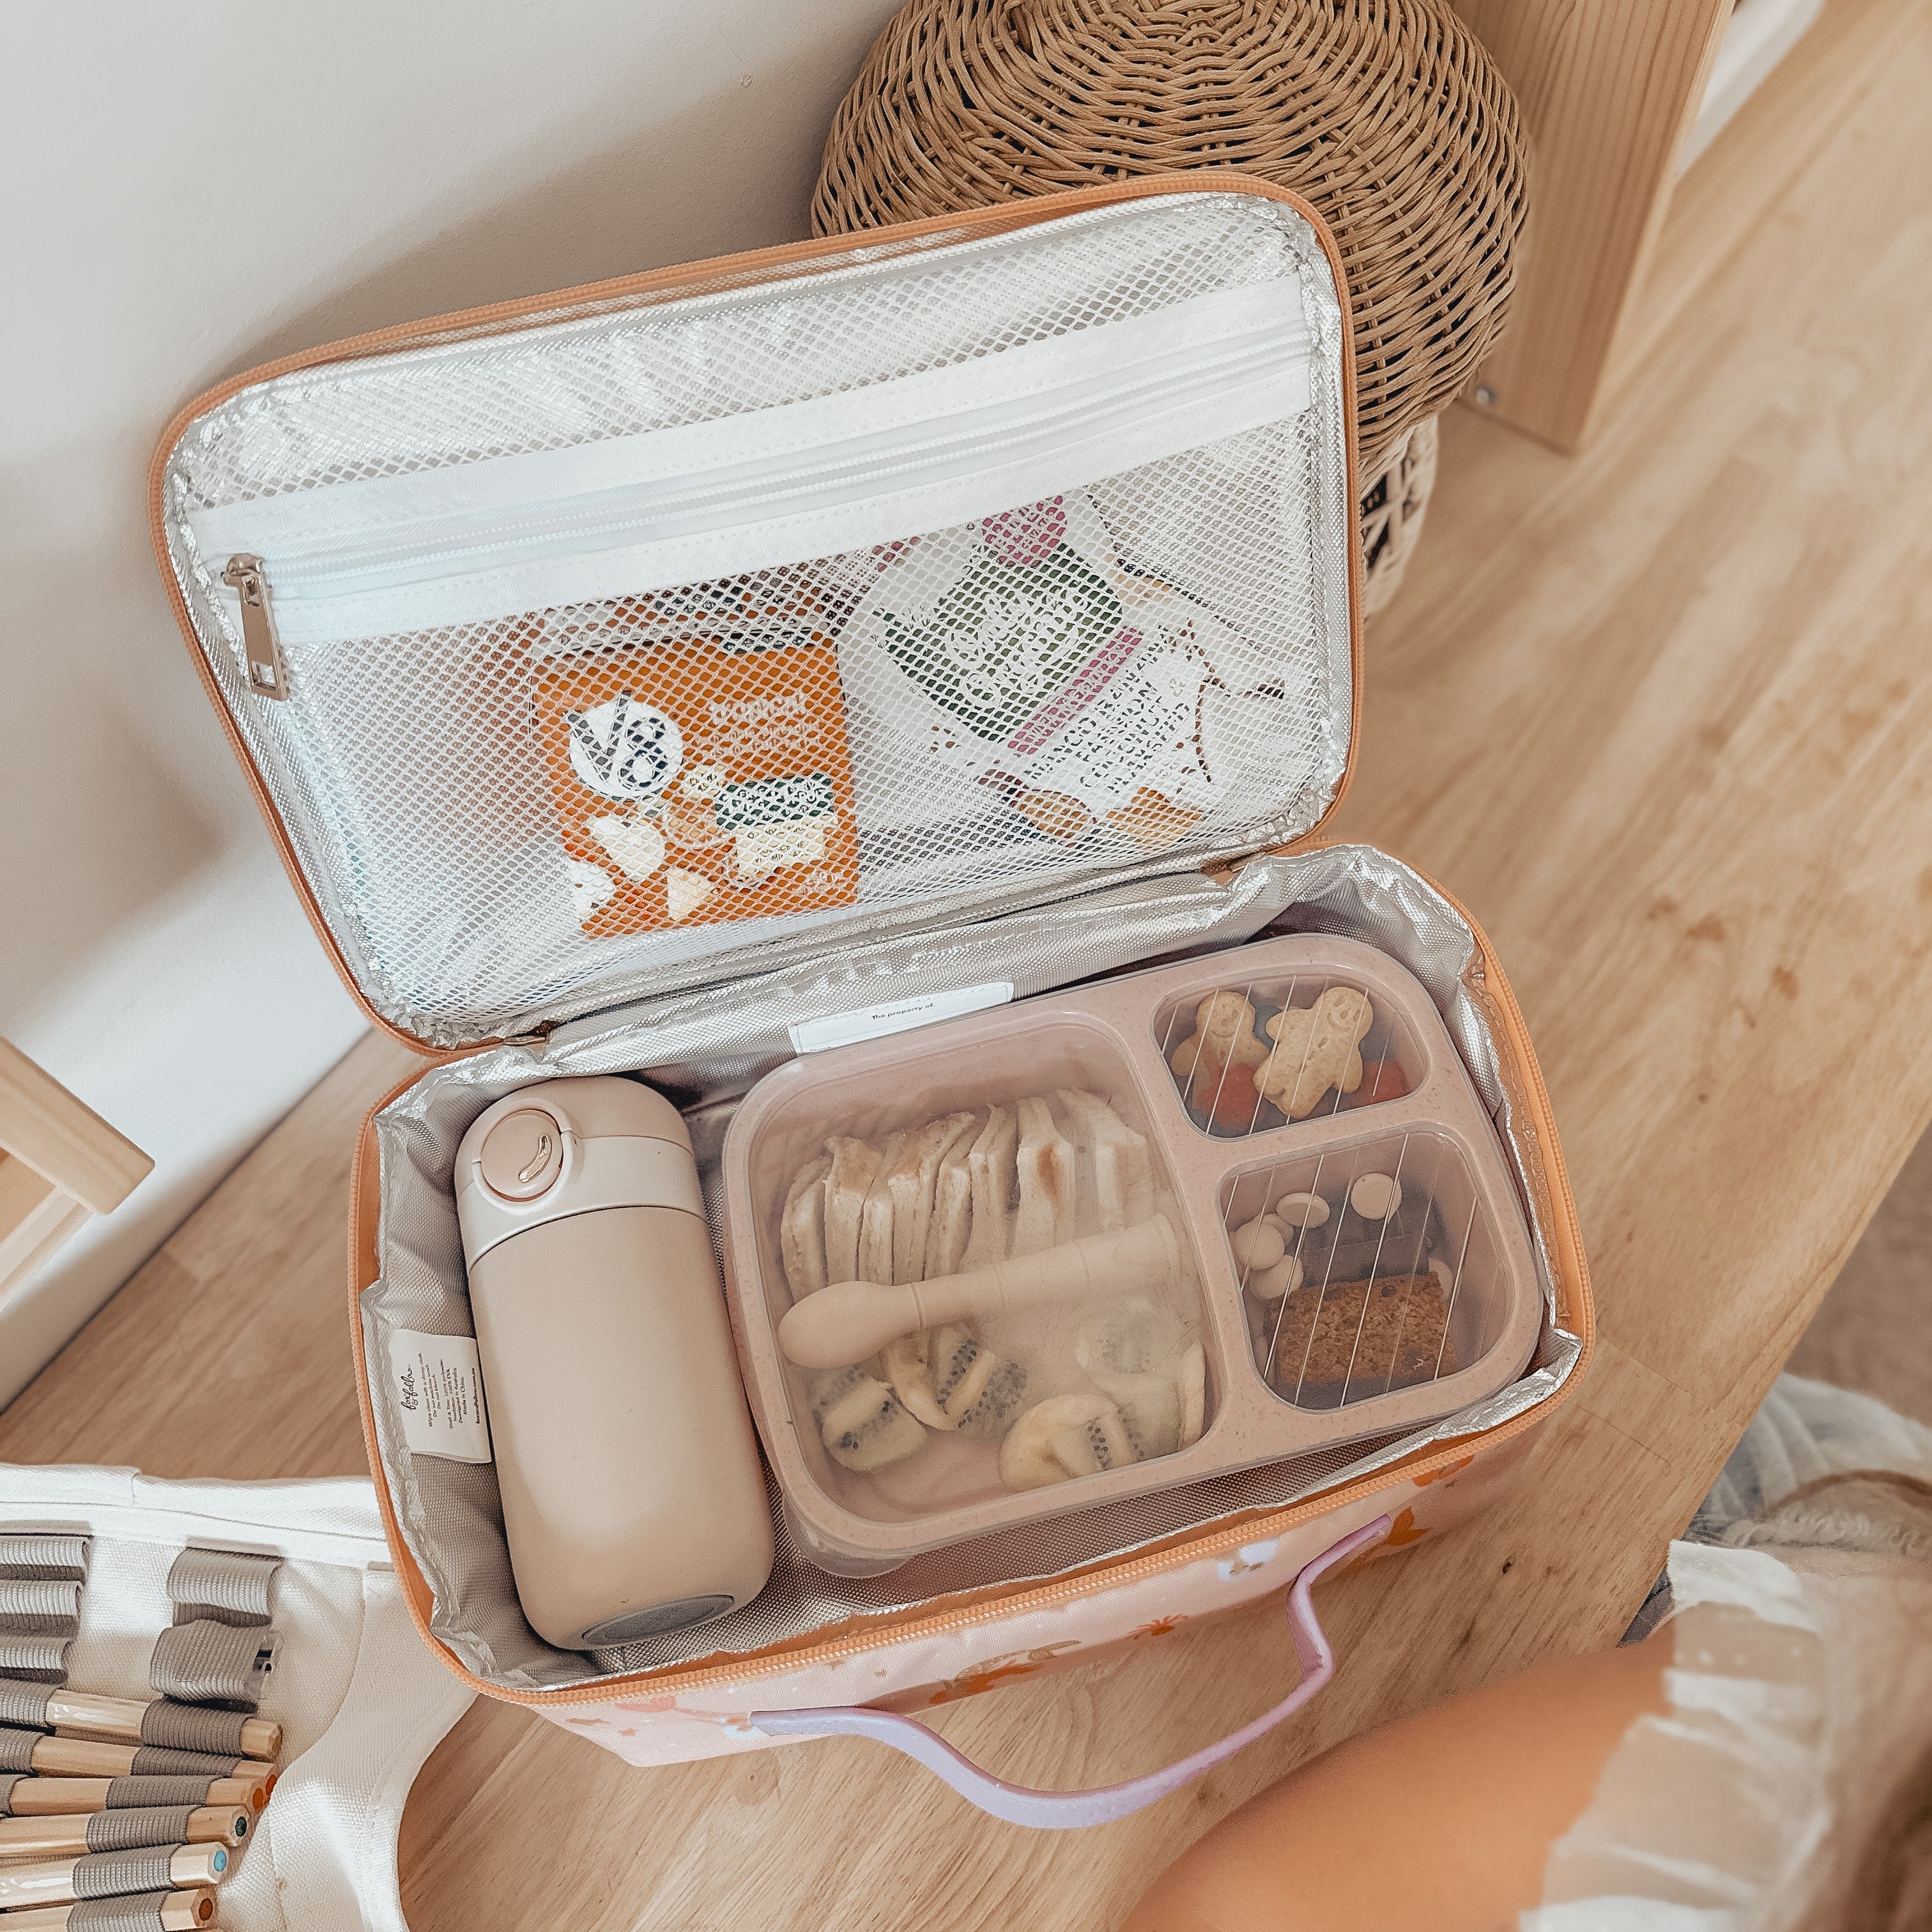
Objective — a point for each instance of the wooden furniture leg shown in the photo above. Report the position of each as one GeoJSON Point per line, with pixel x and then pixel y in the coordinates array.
{"type": "Point", "coordinates": [1609, 89]}
{"type": "Point", "coordinates": [60, 1162]}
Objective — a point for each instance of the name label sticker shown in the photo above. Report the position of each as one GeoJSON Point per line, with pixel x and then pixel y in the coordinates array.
{"type": "Point", "coordinates": [897, 1016]}
{"type": "Point", "coordinates": [438, 1385]}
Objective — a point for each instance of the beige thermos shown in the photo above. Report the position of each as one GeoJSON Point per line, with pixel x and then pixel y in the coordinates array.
{"type": "Point", "coordinates": [633, 1499]}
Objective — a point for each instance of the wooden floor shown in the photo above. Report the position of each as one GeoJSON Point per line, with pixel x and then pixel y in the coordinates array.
{"type": "Point", "coordinates": [1663, 715]}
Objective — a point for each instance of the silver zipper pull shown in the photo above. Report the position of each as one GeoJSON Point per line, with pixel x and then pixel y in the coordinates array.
{"type": "Point", "coordinates": [268, 671]}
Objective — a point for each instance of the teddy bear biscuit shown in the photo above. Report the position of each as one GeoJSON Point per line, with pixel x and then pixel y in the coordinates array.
{"type": "Point", "coordinates": [1224, 1030]}
{"type": "Point", "coordinates": [1315, 1049]}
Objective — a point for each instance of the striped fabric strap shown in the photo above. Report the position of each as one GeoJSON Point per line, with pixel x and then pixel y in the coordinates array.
{"type": "Point", "coordinates": [30, 1553]}
{"type": "Point", "coordinates": [7, 1784]}
{"type": "Point", "coordinates": [17, 1749]}
{"type": "Point", "coordinates": [126, 1831]}
{"type": "Point", "coordinates": [45, 1599]}
{"type": "Point", "coordinates": [190, 1727]}
{"type": "Point", "coordinates": [43, 1659]}
{"type": "Point", "coordinates": [102, 1874]}
{"type": "Point", "coordinates": [140, 1912]}
{"type": "Point", "coordinates": [150, 1761]}
{"type": "Point", "coordinates": [226, 1586]}
{"type": "Point", "coordinates": [40, 1603]}
{"type": "Point", "coordinates": [24, 1704]}
{"type": "Point", "coordinates": [211, 1662]}
{"type": "Point", "coordinates": [140, 1794]}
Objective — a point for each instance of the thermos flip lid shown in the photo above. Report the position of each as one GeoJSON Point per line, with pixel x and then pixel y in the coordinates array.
{"type": "Point", "coordinates": [571, 1148]}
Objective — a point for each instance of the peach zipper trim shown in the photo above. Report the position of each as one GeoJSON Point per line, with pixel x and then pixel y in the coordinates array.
{"type": "Point", "coordinates": [665, 283]}
{"type": "Point", "coordinates": [673, 1679]}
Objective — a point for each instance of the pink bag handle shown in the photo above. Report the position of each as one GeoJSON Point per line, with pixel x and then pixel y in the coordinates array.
{"type": "Point", "coordinates": [1061, 1811]}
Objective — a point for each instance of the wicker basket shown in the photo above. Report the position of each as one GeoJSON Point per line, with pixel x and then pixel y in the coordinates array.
{"type": "Point", "coordinates": [1392, 512]}
{"type": "Point", "coordinates": [1386, 114]}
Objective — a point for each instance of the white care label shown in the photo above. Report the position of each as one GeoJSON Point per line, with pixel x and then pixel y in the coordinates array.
{"type": "Point", "coordinates": [897, 1016]}
{"type": "Point", "coordinates": [439, 1388]}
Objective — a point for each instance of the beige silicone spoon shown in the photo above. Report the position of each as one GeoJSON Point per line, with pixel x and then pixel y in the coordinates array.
{"type": "Point", "coordinates": [853, 1319]}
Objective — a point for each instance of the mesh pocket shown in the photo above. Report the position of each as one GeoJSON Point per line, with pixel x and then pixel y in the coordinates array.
{"type": "Point", "coordinates": [525, 815]}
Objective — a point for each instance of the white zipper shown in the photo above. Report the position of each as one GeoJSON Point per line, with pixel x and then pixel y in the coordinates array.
{"type": "Point", "coordinates": [475, 541]}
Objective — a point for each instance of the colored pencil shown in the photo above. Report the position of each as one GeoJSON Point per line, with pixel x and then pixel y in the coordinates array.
{"type": "Point", "coordinates": [52, 1837]}
{"type": "Point", "coordinates": [53, 1881]}
{"type": "Point", "coordinates": [63, 1797]}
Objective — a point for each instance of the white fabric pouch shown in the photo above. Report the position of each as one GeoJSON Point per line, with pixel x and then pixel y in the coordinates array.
{"type": "Point", "coordinates": [361, 1704]}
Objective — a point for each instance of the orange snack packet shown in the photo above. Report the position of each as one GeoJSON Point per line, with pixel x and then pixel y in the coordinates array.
{"type": "Point", "coordinates": [701, 781]}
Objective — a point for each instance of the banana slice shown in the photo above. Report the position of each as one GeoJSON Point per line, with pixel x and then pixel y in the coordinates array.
{"type": "Point", "coordinates": [1045, 1165]}
{"type": "Point", "coordinates": [1190, 1377]}
{"type": "Point", "coordinates": [1000, 1405]}
{"type": "Point", "coordinates": [910, 1181]}
{"type": "Point", "coordinates": [867, 1426]}
{"type": "Point", "coordinates": [875, 1217]}
{"type": "Point", "coordinates": [1100, 1442]}
{"type": "Point", "coordinates": [952, 1219]}
{"type": "Point", "coordinates": [1116, 1157]}
{"type": "Point", "coordinates": [907, 1364]}
{"type": "Point", "coordinates": [802, 1228]}
{"type": "Point", "coordinates": [991, 1164]}
{"type": "Point", "coordinates": [1149, 1407]}
{"type": "Point", "coordinates": [1027, 1459]}
{"type": "Point", "coordinates": [854, 1164]}
{"type": "Point", "coordinates": [1128, 1338]}
{"type": "Point", "coordinates": [961, 1369]}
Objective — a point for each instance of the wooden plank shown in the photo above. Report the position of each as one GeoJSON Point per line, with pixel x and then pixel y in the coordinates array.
{"type": "Point", "coordinates": [245, 1306]}
{"type": "Point", "coordinates": [64, 1138]}
{"type": "Point", "coordinates": [1609, 89]}
{"type": "Point", "coordinates": [1658, 713]}
{"type": "Point", "coordinates": [1736, 185]}
{"type": "Point", "coordinates": [35, 1218]}
{"type": "Point", "coordinates": [24, 1191]}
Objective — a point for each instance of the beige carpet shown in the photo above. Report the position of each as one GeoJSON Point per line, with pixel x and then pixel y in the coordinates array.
{"type": "Point", "coordinates": [1873, 1330]}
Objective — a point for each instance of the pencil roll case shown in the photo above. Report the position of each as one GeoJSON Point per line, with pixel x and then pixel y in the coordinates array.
{"type": "Point", "coordinates": [711, 676]}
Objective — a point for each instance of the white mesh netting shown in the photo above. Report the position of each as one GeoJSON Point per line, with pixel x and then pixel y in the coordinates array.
{"type": "Point", "coordinates": [553, 808]}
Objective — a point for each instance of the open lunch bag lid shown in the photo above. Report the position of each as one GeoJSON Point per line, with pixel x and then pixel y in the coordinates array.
{"type": "Point", "coordinates": [897, 584]}
{"type": "Point", "coordinates": [635, 676]}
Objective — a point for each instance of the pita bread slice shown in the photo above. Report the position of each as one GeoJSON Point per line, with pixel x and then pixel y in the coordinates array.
{"type": "Point", "coordinates": [854, 1165]}
{"type": "Point", "coordinates": [802, 1228]}
{"type": "Point", "coordinates": [910, 1181]}
{"type": "Point", "coordinates": [990, 1164]}
{"type": "Point", "coordinates": [1044, 1163]}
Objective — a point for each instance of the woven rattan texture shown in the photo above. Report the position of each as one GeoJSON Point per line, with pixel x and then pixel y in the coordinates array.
{"type": "Point", "coordinates": [1386, 115]}
{"type": "Point", "coordinates": [1392, 509]}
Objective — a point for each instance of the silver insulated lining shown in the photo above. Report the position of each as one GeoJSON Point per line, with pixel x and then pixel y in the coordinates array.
{"type": "Point", "coordinates": [705, 1047]}
{"type": "Point", "coordinates": [1062, 514]}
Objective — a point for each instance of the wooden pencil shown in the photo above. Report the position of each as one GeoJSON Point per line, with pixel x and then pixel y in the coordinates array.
{"type": "Point", "coordinates": [104, 1831]}
{"type": "Point", "coordinates": [173, 1911]}
{"type": "Point", "coordinates": [148, 1720]}
{"type": "Point", "coordinates": [57, 1756]}
{"type": "Point", "coordinates": [60, 1881]}
{"type": "Point", "coordinates": [63, 1797]}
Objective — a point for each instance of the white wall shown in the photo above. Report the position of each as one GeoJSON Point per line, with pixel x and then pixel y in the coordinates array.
{"type": "Point", "coordinates": [191, 190]}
